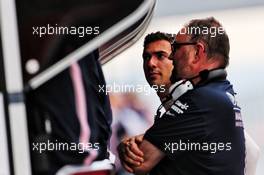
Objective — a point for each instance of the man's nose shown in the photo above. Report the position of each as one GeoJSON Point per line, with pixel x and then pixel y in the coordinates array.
{"type": "Point", "coordinates": [152, 61]}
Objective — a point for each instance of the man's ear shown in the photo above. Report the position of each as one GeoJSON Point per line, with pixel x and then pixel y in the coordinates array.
{"type": "Point", "coordinates": [200, 52]}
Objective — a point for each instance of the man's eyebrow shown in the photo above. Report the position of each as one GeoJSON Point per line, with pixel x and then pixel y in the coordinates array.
{"type": "Point", "coordinates": [160, 52]}
{"type": "Point", "coordinates": [156, 52]}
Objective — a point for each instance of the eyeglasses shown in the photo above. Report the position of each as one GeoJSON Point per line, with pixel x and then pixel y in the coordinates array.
{"type": "Point", "coordinates": [175, 45]}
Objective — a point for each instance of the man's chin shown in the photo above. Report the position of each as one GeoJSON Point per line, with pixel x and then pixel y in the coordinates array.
{"type": "Point", "coordinates": [155, 84]}
{"type": "Point", "coordinates": [152, 84]}
{"type": "Point", "coordinates": [151, 81]}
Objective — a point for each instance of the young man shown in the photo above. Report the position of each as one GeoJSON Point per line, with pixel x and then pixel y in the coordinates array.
{"type": "Point", "coordinates": [194, 125]}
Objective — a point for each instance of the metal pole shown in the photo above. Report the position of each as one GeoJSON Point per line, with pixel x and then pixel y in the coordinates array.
{"type": "Point", "coordinates": [14, 85]}
{"type": "Point", "coordinates": [4, 159]}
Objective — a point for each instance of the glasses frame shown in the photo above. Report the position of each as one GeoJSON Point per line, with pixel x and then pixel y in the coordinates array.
{"type": "Point", "coordinates": [176, 44]}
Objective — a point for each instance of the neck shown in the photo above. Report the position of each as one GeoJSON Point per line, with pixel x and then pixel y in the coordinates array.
{"type": "Point", "coordinates": [162, 93]}
{"type": "Point", "coordinates": [210, 74]}
{"type": "Point", "coordinates": [210, 66]}
{"type": "Point", "coordinates": [196, 80]}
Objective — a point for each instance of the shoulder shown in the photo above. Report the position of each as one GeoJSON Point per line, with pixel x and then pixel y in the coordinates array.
{"type": "Point", "coordinates": [215, 94]}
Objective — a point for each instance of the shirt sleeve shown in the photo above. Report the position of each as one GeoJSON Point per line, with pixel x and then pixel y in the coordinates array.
{"type": "Point", "coordinates": [183, 123]}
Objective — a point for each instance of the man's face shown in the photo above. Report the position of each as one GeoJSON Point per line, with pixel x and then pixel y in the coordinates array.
{"type": "Point", "coordinates": [183, 59]}
{"type": "Point", "coordinates": [157, 66]}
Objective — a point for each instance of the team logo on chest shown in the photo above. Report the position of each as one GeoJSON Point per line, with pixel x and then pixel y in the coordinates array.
{"type": "Point", "coordinates": [178, 108]}
{"type": "Point", "coordinates": [171, 103]}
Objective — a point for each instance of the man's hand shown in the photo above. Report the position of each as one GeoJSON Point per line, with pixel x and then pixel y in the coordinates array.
{"type": "Point", "coordinates": [129, 153]}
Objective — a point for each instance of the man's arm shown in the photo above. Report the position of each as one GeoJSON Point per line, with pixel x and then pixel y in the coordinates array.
{"type": "Point", "coordinates": [152, 156]}
{"type": "Point", "coordinates": [129, 153]}
{"type": "Point", "coordinates": [137, 155]}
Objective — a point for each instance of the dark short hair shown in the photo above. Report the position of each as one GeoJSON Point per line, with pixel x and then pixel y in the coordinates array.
{"type": "Point", "coordinates": [215, 46]}
{"type": "Point", "coordinates": [152, 37]}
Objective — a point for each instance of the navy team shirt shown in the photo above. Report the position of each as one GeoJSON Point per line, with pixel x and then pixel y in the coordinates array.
{"type": "Point", "coordinates": [202, 133]}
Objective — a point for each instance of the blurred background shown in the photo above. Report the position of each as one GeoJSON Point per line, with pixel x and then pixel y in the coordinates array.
{"type": "Point", "coordinates": [243, 21]}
